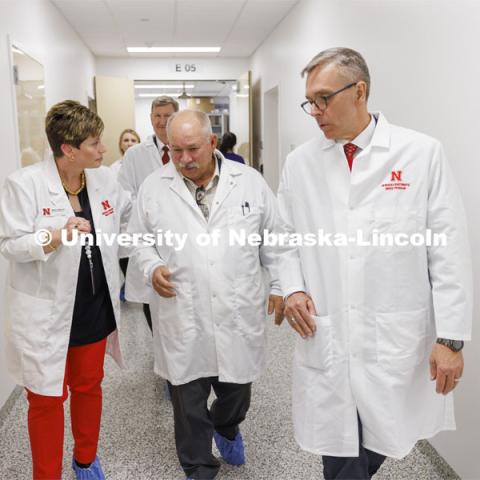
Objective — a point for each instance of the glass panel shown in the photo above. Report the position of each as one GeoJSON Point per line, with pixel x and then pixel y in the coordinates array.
{"type": "Point", "coordinates": [30, 95]}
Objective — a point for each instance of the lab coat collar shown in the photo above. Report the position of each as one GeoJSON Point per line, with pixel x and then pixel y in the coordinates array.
{"type": "Point", "coordinates": [54, 181]}
{"type": "Point", "coordinates": [229, 170]}
{"type": "Point", "coordinates": [58, 195]}
{"type": "Point", "coordinates": [381, 136]}
{"type": "Point", "coordinates": [148, 142]}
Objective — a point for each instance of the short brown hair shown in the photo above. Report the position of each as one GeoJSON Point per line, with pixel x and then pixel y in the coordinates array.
{"type": "Point", "coordinates": [164, 100]}
{"type": "Point", "coordinates": [71, 123]}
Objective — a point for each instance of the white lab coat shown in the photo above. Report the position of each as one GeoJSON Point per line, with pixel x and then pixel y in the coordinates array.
{"type": "Point", "coordinates": [116, 166]}
{"type": "Point", "coordinates": [138, 163]}
{"type": "Point", "coordinates": [215, 326]}
{"type": "Point", "coordinates": [41, 287]}
{"type": "Point", "coordinates": [379, 309]}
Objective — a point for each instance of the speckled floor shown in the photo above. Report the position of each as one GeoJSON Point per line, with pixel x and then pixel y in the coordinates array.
{"type": "Point", "coordinates": [137, 427]}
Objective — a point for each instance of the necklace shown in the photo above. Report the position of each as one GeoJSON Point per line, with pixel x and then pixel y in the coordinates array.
{"type": "Point", "coordinates": [75, 192]}
{"type": "Point", "coordinates": [88, 253]}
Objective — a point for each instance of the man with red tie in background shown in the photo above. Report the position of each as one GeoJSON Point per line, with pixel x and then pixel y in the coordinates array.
{"type": "Point", "coordinates": [381, 326]}
{"type": "Point", "coordinates": [139, 162]}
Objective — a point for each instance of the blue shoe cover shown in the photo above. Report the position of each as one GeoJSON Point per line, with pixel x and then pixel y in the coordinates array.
{"type": "Point", "coordinates": [232, 451]}
{"type": "Point", "coordinates": [93, 472]}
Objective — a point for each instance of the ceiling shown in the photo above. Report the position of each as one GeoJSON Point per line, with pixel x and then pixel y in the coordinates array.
{"type": "Point", "coordinates": [237, 26]}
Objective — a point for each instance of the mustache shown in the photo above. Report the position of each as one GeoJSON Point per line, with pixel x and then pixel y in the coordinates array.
{"type": "Point", "coordinates": [189, 166]}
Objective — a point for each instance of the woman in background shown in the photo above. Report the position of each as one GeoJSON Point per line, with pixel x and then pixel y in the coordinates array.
{"type": "Point", "coordinates": [229, 140]}
{"type": "Point", "coordinates": [128, 138]}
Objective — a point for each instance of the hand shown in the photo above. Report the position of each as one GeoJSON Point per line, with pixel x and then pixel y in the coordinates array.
{"type": "Point", "coordinates": [73, 223]}
{"type": "Point", "coordinates": [76, 223]}
{"type": "Point", "coordinates": [275, 304]}
{"type": "Point", "coordinates": [161, 284]}
{"type": "Point", "coordinates": [299, 309]}
{"type": "Point", "coordinates": [446, 367]}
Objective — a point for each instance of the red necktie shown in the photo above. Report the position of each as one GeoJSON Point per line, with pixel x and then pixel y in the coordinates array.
{"type": "Point", "coordinates": [350, 149]}
{"type": "Point", "coordinates": [165, 156]}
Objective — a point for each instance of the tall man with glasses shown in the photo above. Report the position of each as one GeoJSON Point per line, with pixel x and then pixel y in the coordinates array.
{"type": "Point", "coordinates": [381, 327]}
{"type": "Point", "coordinates": [209, 314]}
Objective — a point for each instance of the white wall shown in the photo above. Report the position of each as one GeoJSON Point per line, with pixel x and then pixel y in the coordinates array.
{"type": "Point", "coordinates": [38, 28]}
{"type": "Point", "coordinates": [423, 60]}
{"type": "Point", "coordinates": [164, 68]}
{"type": "Point", "coordinates": [239, 119]}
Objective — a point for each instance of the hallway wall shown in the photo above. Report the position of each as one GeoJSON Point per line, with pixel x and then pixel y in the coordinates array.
{"type": "Point", "coordinates": [422, 58]}
{"type": "Point", "coordinates": [38, 28]}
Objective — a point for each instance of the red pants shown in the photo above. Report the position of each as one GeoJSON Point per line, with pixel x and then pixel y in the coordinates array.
{"type": "Point", "coordinates": [83, 375]}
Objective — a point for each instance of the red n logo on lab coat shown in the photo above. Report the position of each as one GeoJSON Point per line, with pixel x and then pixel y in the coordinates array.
{"type": "Point", "coordinates": [396, 176]}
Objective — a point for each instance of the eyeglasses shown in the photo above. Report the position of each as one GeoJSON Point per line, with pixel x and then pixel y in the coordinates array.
{"type": "Point", "coordinates": [321, 101]}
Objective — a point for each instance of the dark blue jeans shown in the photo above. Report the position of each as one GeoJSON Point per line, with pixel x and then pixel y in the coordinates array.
{"type": "Point", "coordinates": [362, 467]}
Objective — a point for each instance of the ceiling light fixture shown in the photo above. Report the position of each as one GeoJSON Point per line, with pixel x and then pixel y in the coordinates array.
{"type": "Point", "coordinates": [184, 95]}
{"type": "Point", "coordinates": [172, 86]}
{"type": "Point", "coordinates": [154, 95]}
{"type": "Point", "coordinates": [173, 49]}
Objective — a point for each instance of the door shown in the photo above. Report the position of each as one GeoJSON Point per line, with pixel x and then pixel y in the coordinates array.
{"type": "Point", "coordinates": [271, 149]}
{"type": "Point", "coordinates": [115, 101]}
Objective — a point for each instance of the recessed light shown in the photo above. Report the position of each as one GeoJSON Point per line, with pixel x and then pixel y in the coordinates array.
{"type": "Point", "coordinates": [166, 86]}
{"type": "Point", "coordinates": [154, 95]}
{"type": "Point", "coordinates": [173, 49]}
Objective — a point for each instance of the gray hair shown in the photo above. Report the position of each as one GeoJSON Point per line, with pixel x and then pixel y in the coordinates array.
{"type": "Point", "coordinates": [202, 118]}
{"type": "Point", "coordinates": [164, 100]}
{"type": "Point", "coordinates": [351, 63]}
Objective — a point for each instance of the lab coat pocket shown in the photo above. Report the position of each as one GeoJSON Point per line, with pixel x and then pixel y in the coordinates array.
{"type": "Point", "coordinates": [175, 314]}
{"type": "Point", "coordinates": [401, 338]}
{"type": "Point", "coordinates": [394, 229]}
{"type": "Point", "coordinates": [317, 351]}
{"type": "Point", "coordinates": [246, 217]}
{"type": "Point", "coordinates": [28, 319]}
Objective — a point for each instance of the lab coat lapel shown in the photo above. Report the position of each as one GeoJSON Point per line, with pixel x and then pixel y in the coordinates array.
{"type": "Point", "coordinates": [94, 197]}
{"type": "Point", "coordinates": [150, 144]}
{"type": "Point", "coordinates": [58, 197]}
{"type": "Point", "coordinates": [336, 171]}
{"type": "Point", "coordinates": [372, 164]}
{"type": "Point", "coordinates": [178, 186]}
{"type": "Point", "coordinates": [226, 184]}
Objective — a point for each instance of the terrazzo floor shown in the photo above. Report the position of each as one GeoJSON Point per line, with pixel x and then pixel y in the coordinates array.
{"type": "Point", "coordinates": [137, 427]}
